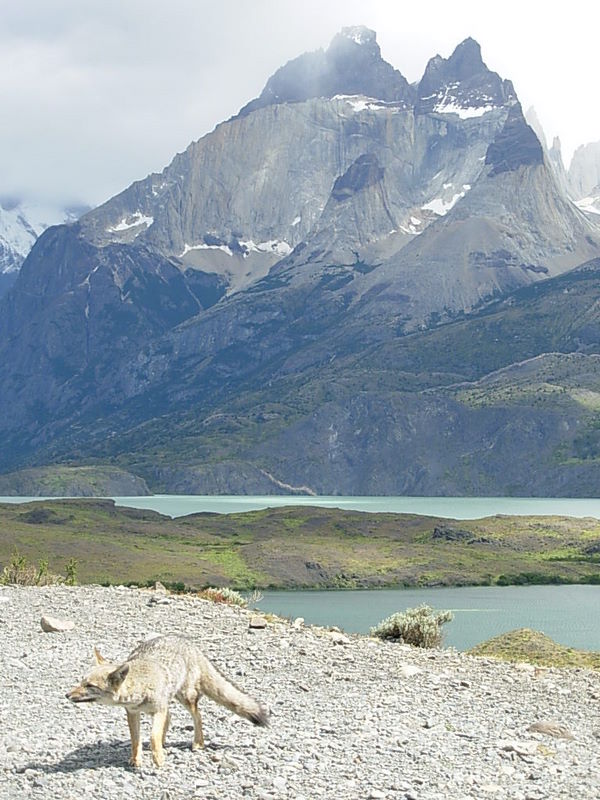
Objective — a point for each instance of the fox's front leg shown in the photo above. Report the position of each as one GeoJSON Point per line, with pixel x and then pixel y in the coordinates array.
{"type": "Point", "coordinates": [159, 724]}
{"type": "Point", "coordinates": [133, 720]}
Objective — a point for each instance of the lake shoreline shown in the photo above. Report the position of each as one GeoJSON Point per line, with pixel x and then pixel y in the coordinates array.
{"type": "Point", "coordinates": [465, 507]}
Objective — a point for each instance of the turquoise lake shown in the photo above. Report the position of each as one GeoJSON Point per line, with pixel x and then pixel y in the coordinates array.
{"type": "Point", "coordinates": [453, 507]}
{"type": "Point", "coordinates": [568, 614]}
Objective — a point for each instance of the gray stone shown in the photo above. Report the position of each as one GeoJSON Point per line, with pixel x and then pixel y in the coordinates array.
{"type": "Point", "coordinates": [551, 728]}
{"type": "Point", "coordinates": [56, 624]}
{"type": "Point", "coordinates": [257, 623]}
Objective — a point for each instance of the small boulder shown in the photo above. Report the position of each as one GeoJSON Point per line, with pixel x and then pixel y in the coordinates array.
{"type": "Point", "coordinates": [257, 622]}
{"type": "Point", "coordinates": [56, 625]}
{"type": "Point", "coordinates": [159, 600]}
{"type": "Point", "coordinates": [551, 728]}
{"type": "Point", "coordinates": [339, 638]}
{"type": "Point", "coordinates": [408, 670]}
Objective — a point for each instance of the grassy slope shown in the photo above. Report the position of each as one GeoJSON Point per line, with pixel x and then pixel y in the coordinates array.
{"type": "Point", "coordinates": [299, 547]}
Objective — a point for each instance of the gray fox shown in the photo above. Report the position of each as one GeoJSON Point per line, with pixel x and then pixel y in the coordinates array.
{"type": "Point", "coordinates": [152, 675]}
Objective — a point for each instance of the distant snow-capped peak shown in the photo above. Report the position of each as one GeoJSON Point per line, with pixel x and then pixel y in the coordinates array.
{"type": "Point", "coordinates": [21, 222]}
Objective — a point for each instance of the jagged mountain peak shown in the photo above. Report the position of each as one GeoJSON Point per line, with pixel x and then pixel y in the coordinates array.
{"type": "Point", "coordinates": [466, 59]}
{"type": "Point", "coordinates": [462, 84]}
{"type": "Point", "coordinates": [351, 65]}
{"type": "Point", "coordinates": [357, 36]}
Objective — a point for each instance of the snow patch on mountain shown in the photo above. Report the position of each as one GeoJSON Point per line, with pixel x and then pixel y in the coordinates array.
{"type": "Point", "coordinates": [275, 246]}
{"type": "Point", "coordinates": [203, 246]}
{"type": "Point", "coordinates": [463, 112]}
{"type": "Point", "coordinates": [131, 221]}
{"type": "Point", "coordinates": [442, 205]}
{"type": "Point", "coordinates": [590, 205]}
{"type": "Point", "coordinates": [449, 102]}
{"type": "Point", "coordinates": [244, 247]}
{"type": "Point", "coordinates": [358, 34]}
{"type": "Point", "coordinates": [358, 103]}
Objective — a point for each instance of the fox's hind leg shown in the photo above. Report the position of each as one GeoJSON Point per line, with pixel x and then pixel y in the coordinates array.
{"type": "Point", "coordinates": [166, 728]}
{"type": "Point", "coordinates": [190, 702]}
{"type": "Point", "coordinates": [133, 720]}
{"type": "Point", "coordinates": [198, 742]}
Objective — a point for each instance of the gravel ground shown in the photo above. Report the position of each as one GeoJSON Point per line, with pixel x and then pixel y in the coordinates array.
{"type": "Point", "coordinates": [350, 717]}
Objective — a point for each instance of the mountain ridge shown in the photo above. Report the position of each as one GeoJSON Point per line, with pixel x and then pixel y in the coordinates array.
{"type": "Point", "coordinates": [297, 235]}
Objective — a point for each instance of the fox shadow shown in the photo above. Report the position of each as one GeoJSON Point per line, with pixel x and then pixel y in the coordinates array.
{"type": "Point", "coordinates": [104, 754]}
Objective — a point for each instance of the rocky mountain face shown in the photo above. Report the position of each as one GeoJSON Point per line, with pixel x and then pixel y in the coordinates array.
{"type": "Point", "coordinates": [185, 327]}
{"type": "Point", "coordinates": [21, 223]}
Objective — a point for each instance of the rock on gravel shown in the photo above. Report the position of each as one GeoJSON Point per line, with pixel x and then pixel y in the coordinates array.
{"type": "Point", "coordinates": [368, 719]}
{"type": "Point", "coordinates": [56, 625]}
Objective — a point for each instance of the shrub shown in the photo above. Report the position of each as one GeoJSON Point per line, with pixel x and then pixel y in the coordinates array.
{"type": "Point", "coordinates": [71, 577]}
{"type": "Point", "coordinates": [19, 571]}
{"type": "Point", "coordinates": [223, 595]}
{"type": "Point", "coordinates": [420, 627]}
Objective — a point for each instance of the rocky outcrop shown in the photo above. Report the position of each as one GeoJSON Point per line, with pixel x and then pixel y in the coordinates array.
{"type": "Point", "coordinates": [63, 481]}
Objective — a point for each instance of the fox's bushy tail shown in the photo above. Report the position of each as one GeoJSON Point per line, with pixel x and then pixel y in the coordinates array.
{"type": "Point", "coordinates": [220, 689]}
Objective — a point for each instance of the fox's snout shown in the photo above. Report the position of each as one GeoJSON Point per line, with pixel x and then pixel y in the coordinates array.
{"type": "Point", "coordinates": [79, 695]}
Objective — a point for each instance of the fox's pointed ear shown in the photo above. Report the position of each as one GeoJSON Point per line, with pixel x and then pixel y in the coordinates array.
{"type": "Point", "coordinates": [117, 677]}
{"type": "Point", "coordinates": [99, 658]}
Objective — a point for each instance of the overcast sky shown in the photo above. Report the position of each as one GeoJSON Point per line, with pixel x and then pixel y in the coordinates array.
{"type": "Point", "coordinates": [98, 93]}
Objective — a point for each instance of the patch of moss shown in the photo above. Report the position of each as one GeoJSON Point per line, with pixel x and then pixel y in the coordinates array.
{"type": "Point", "coordinates": [534, 647]}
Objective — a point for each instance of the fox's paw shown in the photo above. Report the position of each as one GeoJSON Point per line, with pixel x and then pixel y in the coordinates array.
{"type": "Point", "coordinates": [158, 758]}
{"type": "Point", "coordinates": [135, 762]}
{"type": "Point", "coordinates": [197, 746]}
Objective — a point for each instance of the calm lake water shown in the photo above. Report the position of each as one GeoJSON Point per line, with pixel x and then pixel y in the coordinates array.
{"type": "Point", "coordinates": [451, 507]}
{"type": "Point", "coordinates": [568, 614]}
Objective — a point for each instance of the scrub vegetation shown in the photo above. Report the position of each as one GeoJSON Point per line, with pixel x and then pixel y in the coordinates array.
{"type": "Point", "coordinates": [297, 547]}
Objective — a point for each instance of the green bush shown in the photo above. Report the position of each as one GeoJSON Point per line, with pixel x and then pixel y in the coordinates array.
{"type": "Point", "coordinates": [21, 573]}
{"type": "Point", "coordinates": [223, 595]}
{"type": "Point", "coordinates": [71, 572]}
{"type": "Point", "coordinates": [419, 627]}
